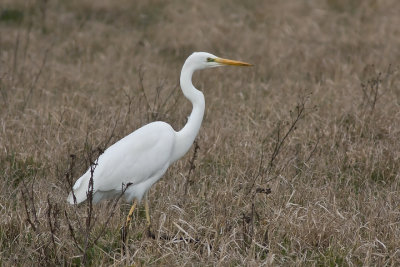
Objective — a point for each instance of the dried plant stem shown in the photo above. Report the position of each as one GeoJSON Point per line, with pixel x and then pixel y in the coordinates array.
{"type": "Point", "coordinates": [192, 166]}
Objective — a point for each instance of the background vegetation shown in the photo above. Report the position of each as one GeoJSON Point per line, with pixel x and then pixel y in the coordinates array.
{"type": "Point", "coordinates": [298, 159]}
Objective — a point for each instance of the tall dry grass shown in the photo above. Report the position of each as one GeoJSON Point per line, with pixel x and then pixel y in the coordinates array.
{"type": "Point", "coordinates": [298, 159]}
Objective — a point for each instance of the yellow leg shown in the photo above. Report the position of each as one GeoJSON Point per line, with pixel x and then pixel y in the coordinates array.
{"type": "Point", "coordinates": [146, 207]}
{"type": "Point", "coordinates": [124, 229]}
{"type": "Point", "coordinates": [130, 214]}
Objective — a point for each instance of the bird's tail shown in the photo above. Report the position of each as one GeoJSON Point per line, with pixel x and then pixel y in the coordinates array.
{"type": "Point", "coordinates": [80, 189]}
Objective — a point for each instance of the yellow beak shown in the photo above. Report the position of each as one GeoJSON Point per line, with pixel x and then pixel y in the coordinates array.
{"type": "Point", "coordinates": [231, 62]}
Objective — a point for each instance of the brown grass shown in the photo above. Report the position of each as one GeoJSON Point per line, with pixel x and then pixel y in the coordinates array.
{"type": "Point", "coordinates": [75, 76]}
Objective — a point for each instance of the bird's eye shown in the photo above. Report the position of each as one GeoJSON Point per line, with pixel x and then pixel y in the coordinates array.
{"type": "Point", "coordinates": [210, 59]}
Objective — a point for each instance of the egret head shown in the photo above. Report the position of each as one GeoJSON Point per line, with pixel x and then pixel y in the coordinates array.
{"type": "Point", "coordinates": [203, 60]}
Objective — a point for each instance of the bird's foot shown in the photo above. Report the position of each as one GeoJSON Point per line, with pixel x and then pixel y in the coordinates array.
{"type": "Point", "coordinates": [150, 233]}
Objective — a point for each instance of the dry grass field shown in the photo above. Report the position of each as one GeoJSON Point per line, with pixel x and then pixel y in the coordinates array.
{"type": "Point", "coordinates": [298, 159]}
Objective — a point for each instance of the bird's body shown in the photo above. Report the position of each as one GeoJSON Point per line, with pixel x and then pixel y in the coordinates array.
{"type": "Point", "coordinates": [141, 158]}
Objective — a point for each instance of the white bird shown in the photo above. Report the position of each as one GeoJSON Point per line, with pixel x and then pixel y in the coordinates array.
{"type": "Point", "coordinates": [141, 158]}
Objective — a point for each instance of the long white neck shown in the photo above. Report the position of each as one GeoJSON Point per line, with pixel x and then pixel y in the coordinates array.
{"type": "Point", "coordinates": [186, 136]}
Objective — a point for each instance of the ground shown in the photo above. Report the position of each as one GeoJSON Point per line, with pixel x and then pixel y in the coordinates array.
{"type": "Point", "coordinates": [297, 160]}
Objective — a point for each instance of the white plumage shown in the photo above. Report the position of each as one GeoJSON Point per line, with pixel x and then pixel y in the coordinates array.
{"type": "Point", "coordinates": [141, 158]}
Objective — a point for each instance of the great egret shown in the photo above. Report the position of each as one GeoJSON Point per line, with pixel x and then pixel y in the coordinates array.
{"type": "Point", "coordinates": [141, 158]}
